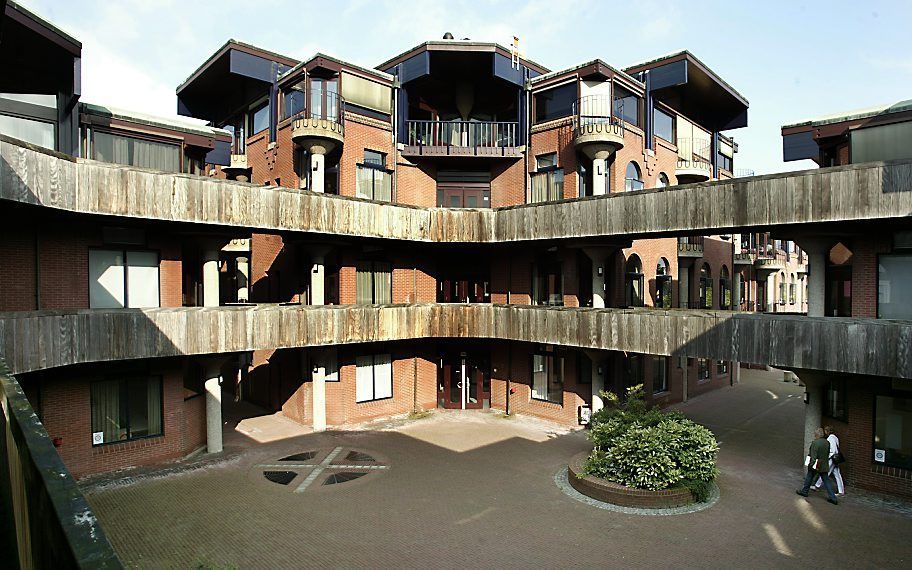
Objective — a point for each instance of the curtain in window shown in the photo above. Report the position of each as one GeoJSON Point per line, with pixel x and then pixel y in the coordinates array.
{"type": "Point", "coordinates": [364, 284]}
{"type": "Point", "coordinates": [148, 154]}
{"type": "Point", "coordinates": [364, 378]}
{"type": "Point", "coordinates": [364, 183]}
{"type": "Point", "coordinates": [383, 189]}
{"type": "Point", "coordinates": [383, 376]}
{"type": "Point", "coordinates": [142, 279]}
{"type": "Point", "coordinates": [154, 406]}
{"type": "Point", "coordinates": [106, 413]}
{"type": "Point", "coordinates": [383, 283]}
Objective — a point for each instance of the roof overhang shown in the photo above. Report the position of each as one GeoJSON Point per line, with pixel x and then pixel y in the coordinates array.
{"type": "Point", "coordinates": [687, 85]}
{"type": "Point", "coordinates": [235, 75]}
{"type": "Point", "coordinates": [458, 46]}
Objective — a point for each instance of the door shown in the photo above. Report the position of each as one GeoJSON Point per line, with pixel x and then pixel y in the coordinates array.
{"type": "Point", "coordinates": [463, 382]}
{"type": "Point", "coordinates": [458, 189]}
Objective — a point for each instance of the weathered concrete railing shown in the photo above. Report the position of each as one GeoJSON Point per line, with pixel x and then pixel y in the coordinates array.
{"type": "Point", "coordinates": [866, 192]}
{"type": "Point", "coordinates": [45, 522]}
{"type": "Point", "coordinates": [46, 339]}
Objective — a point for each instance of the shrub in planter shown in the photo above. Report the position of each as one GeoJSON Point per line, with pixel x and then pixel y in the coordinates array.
{"type": "Point", "coordinates": [650, 449]}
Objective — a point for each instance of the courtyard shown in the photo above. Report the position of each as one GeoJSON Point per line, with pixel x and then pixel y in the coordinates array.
{"type": "Point", "coordinates": [460, 489]}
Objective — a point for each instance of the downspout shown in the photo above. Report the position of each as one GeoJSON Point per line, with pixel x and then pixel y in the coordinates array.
{"type": "Point", "coordinates": [647, 120]}
{"type": "Point", "coordinates": [714, 152]}
{"type": "Point", "coordinates": [394, 120]}
{"type": "Point", "coordinates": [509, 375]}
{"type": "Point", "coordinates": [527, 128]}
{"type": "Point", "coordinates": [37, 271]}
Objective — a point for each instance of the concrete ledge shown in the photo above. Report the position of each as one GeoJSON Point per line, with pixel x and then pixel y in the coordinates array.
{"type": "Point", "coordinates": [603, 490]}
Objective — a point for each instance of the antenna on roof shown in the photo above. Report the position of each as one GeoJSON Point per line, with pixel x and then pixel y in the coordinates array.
{"type": "Point", "coordinates": [514, 53]}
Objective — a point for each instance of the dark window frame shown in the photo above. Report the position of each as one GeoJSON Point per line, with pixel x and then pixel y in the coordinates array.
{"type": "Point", "coordinates": [664, 366]}
{"type": "Point", "coordinates": [125, 251]}
{"type": "Point", "coordinates": [548, 352]}
{"type": "Point", "coordinates": [373, 358]}
{"type": "Point", "coordinates": [124, 398]}
{"type": "Point", "coordinates": [373, 263]}
{"type": "Point", "coordinates": [562, 107]}
{"type": "Point", "coordinates": [633, 184]}
{"type": "Point", "coordinates": [874, 446]}
{"type": "Point", "coordinates": [671, 118]}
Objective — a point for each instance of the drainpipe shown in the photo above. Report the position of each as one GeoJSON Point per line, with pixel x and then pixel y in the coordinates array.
{"type": "Point", "coordinates": [647, 120]}
{"type": "Point", "coordinates": [527, 127]}
{"type": "Point", "coordinates": [37, 271]}
{"type": "Point", "coordinates": [509, 375]}
{"type": "Point", "coordinates": [714, 152]}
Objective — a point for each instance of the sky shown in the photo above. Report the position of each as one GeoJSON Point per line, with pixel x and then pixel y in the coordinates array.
{"type": "Point", "coordinates": [792, 60]}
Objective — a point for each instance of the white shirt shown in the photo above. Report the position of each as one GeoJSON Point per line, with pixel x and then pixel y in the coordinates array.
{"type": "Point", "coordinates": [834, 444]}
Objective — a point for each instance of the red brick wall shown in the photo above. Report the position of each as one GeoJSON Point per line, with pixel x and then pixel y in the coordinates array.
{"type": "Point", "coordinates": [362, 133]}
{"type": "Point", "coordinates": [17, 269]}
{"type": "Point", "coordinates": [508, 183]}
{"type": "Point", "coordinates": [416, 182]}
{"type": "Point", "coordinates": [555, 136]}
{"type": "Point", "coordinates": [864, 274]}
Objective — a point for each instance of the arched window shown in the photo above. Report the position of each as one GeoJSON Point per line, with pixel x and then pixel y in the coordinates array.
{"type": "Point", "coordinates": [793, 290]}
{"type": "Point", "coordinates": [663, 284]}
{"type": "Point", "coordinates": [706, 287]}
{"type": "Point", "coordinates": [783, 288]}
{"type": "Point", "coordinates": [633, 180]}
{"type": "Point", "coordinates": [633, 282]}
{"type": "Point", "coordinates": [662, 180]}
{"type": "Point", "coordinates": [725, 299]}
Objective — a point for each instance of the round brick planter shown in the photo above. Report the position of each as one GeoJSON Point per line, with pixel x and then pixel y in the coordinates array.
{"type": "Point", "coordinates": [608, 492]}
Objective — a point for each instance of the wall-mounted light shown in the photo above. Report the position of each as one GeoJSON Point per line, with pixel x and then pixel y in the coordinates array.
{"type": "Point", "coordinates": [599, 370]}
{"type": "Point", "coordinates": [601, 270]}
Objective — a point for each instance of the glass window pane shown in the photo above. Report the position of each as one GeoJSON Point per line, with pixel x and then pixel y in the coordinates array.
{"type": "Point", "coordinates": [34, 132]}
{"type": "Point", "coordinates": [540, 376]}
{"type": "Point", "coordinates": [259, 119]}
{"type": "Point", "coordinates": [150, 154]}
{"type": "Point", "coordinates": [364, 284]}
{"type": "Point", "coordinates": [894, 287]}
{"type": "Point", "coordinates": [108, 419]}
{"type": "Point", "coordinates": [364, 378]}
{"type": "Point", "coordinates": [555, 103]}
{"type": "Point", "coordinates": [142, 279]}
{"type": "Point", "coordinates": [664, 125]}
{"type": "Point", "coordinates": [893, 430]}
{"type": "Point", "coordinates": [383, 376]}
{"type": "Point", "coordinates": [106, 279]}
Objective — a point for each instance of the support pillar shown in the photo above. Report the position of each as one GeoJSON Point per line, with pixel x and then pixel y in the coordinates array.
{"type": "Point", "coordinates": [211, 278]}
{"type": "Point", "coordinates": [599, 257]}
{"type": "Point", "coordinates": [685, 376]}
{"type": "Point", "coordinates": [736, 291]}
{"type": "Point", "coordinates": [213, 386]}
{"type": "Point", "coordinates": [317, 281]}
{"type": "Point", "coordinates": [816, 250]}
{"type": "Point", "coordinates": [599, 376]}
{"type": "Point", "coordinates": [317, 169]}
{"type": "Point", "coordinates": [600, 173]}
{"type": "Point", "coordinates": [683, 287]}
{"type": "Point", "coordinates": [771, 292]}
{"type": "Point", "coordinates": [813, 409]}
{"type": "Point", "coordinates": [319, 396]}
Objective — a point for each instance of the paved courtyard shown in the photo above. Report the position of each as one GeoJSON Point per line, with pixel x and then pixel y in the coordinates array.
{"type": "Point", "coordinates": [463, 489]}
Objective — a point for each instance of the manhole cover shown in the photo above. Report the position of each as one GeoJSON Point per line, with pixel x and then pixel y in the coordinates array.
{"type": "Point", "coordinates": [319, 468]}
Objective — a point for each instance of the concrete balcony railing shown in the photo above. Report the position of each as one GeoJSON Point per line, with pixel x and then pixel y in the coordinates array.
{"type": "Point", "coordinates": [47, 339]}
{"type": "Point", "coordinates": [596, 132]}
{"type": "Point", "coordinates": [770, 262]}
{"type": "Point", "coordinates": [874, 193]}
{"type": "Point", "coordinates": [744, 258]}
{"type": "Point", "coordinates": [320, 128]}
{"type": "Point", "coordinates": [690, 246]}
{"type": "Point", "coordinates": [694, 163]}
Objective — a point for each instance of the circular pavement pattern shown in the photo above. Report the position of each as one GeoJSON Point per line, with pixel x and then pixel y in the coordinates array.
{"type": "Point", "coordinates": [314, 469]}
{"type": "Point", "coordinates": [560, 479]}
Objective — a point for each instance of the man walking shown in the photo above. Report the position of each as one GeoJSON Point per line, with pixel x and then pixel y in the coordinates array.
{"type": "Point", "coordinates": [818, 466]}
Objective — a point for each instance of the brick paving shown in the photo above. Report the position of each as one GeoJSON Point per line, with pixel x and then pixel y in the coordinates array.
{"type": "Point", "coordinates": [474, 489]}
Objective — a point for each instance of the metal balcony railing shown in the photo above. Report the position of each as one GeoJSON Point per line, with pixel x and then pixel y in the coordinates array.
{"type": "Point", "coordinates": [466, 134]}
{"type": "Point", "coordinates": [323, 105]}
{"type": "Point", "coordinates": [594, 112]}
{"type": "Point", "coordinates": [690, 244]}
{"type": "Point", "coordinates": [694, 154]}
{"type": "Point", "coordinates": [744, 172]}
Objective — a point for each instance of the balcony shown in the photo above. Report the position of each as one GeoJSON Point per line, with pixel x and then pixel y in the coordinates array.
{"type": "Point", "coordinates": [770, 262]}
{"type": "Point", "coordinates": [694, 164]}
{"type": "Point", "coordinates": [596, 132]}
{"type": "Point", "coordinates": [745, 258]}
{"type": "Point", "coordinates": [319, 127]}
{"type": "Point", "coordinates": [463, 138]}
{"type": "Point", "coordinates": [691, 246]}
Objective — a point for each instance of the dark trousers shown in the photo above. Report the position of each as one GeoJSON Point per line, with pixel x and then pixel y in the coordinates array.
{"type": "Point", "coordinates": [811, 478]}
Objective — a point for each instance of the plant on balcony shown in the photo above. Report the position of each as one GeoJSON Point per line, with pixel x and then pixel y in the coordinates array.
{"type": "Point", "coordinates": [647, 448]}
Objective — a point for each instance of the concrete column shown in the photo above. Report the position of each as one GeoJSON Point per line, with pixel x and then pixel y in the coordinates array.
{"type": "Point", "coordinates": [317, 170]}
{"type": "Point", "coordinates": [319, 396]}
{"type": "Point", "coordinates": [600, 173]}
{"type": "Point", "coordinates": [736, 291]}
{"type": "Point", "coordinates": [682, 362]}
{"type": "Point", "coordinates": [813, 409]}
{"type": "Point", "coordinates": [317, 281]}
{"type": "Point", "coordinates": [816, 283]}
{"type": "Point", "coordinates": [684, 287]}
{"type": "Point", "coordinates": [736, 372]}
{"type": "Point", "coordinates": [213, 410]}
{"type": "Point", "coordinates": [599, 374]}
{"type": "Point", "coordinates": [599, 257]}
{"type": "Point", "coordinates": [771, 292]}
{"type": "Point", "coordinates": [210, 278]}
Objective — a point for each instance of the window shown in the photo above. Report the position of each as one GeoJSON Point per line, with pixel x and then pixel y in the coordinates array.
{"type": "Point", "coordinates": [583, 369]}
{"type": "Point", "coordinates": [793, 291]}
{"type": "Point", "coordinates": [726, 162]}
{"type": "Point", "coordinates": [40, 133]}
{"type": "Point", "coordinates": [547, 284]}
{"type": "Point", "coordinates": [834, 403]}
{"type": "Point", "coordinates": [662, 180]}
{"type": "Point", "coordinates": [633, 180]}
{"type": "Point", "coordinates": [546, 161]}
{"type": "Point", "coordinates": [626, 105]}
{"type": "Point", "coordinates": [259, 118]}
{"type": "Point", "coordinates": [324, 99]}
{"type": "Point", "coordinates": [783, 289]}
{"type": "Point", "coordinates": [374, 181]}
{"type": "Point", "coordinates": [374, 283]}
{"type": "Point", "coordinates": [548, 183]}
{"type": "Point", "coordinates": [633, 282]}
{"type": "Point", "coordinates": [724, 289]}
{"type": "Point", "coordinates": [703, 369]}
{"type": "Point", "coordinates": [893, 431]}
{"type": "Point", "coordinates": [293, 101]}
{"type": "Point", "coordinates": [125, 409]}
{"type": "Point", "coordinates": [664, 125]}
{"type": "Point", "coordinates": [555, 103]}
{"type": "Point", "coordinates": [894, 287]}
{"type": "Point", "coordinates": [706, 287]}
{"type": "Point", "coordinates": [119, 278]}
{"type": "Point", "coordinates": [548, 377]}
{"type": "Point", "coordinates": [659, 374]}
{"type": "Point", "coordinates": [373, 378]}
{"type": "Point", "coordinates": [721, 367]}
{"type": "Point", "coordinates": [131, 151]}
{"type": "Point", "coordinates": [633, 370]}
{"type": "Point", "coordinates": [663, 284]}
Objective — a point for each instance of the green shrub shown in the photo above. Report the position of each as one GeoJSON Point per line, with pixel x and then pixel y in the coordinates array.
{"type": "Point", "coordinates": [701, 490]}
{"type": "Point", "coordinates": [646, 448]}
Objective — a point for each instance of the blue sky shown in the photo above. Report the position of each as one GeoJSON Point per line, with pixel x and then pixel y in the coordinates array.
{"type": "Point", "coordinates": [791, 60]}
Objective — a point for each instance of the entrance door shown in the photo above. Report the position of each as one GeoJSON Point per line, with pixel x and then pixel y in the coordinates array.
{"type": "Point", "coordinates": [459, 189]}
{"type": "Point", "coordinates": [463, 382]}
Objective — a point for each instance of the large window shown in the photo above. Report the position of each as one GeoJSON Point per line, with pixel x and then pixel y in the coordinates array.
{"type": "Point", "coordinates": [373, 377]}
{"type": "Point", "coordinates": [724, 289]}
{"type": "Point", "coordinates": [548, 377]}
{"type": "Point", "coordinates": [626, 105]}
{"type": "Point", "coordinates": [633, 370]}
{"type": "Point", "coordinates": [294, 101]}
{"type": "Point", "coordinates": [547, 284]}
{"type": "Point", "coordinates": [663, 284]}
{"type": "Point", "coordinates": [548, 181]}
{"type": "Point", "coordinates": [132, 151]}
{"type": "Point", "coordinates": [125, 409]}
{"type": "Point", "coordinates": [659, 374]}
{"type": "Point", "coordinates": [123, 278]}
{"type": "Point", "coordinates": [834, 403]}
{"type": "Point", "coordinates": [894, 287]}
{"type": "Point", "coordinates": [259, 118]}
{"type": "Point", "coordinates": [633, 180]}
{"type": "Point", "coordinates": [374, 283]}
{"type": "Point", "coordinates": [664, 125]}
{"type": "Point", "coordinates": [706, 287]}
{"type": "Point", "coordinates": [893, 431]}
{"type": "Point", "coordinates": [633, 282]}
{"type": "Point", "coordinates": [40, 133]}
{"type": "Point", "coordinates": [703, 369]}
{"type": "Point", "coordinates": [374, 181]}
{"type": "Point", "coordinates": [555, 103]}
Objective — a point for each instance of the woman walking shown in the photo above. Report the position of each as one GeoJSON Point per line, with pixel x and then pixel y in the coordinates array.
{"type": "Point", "coordinates": [834, 466]}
